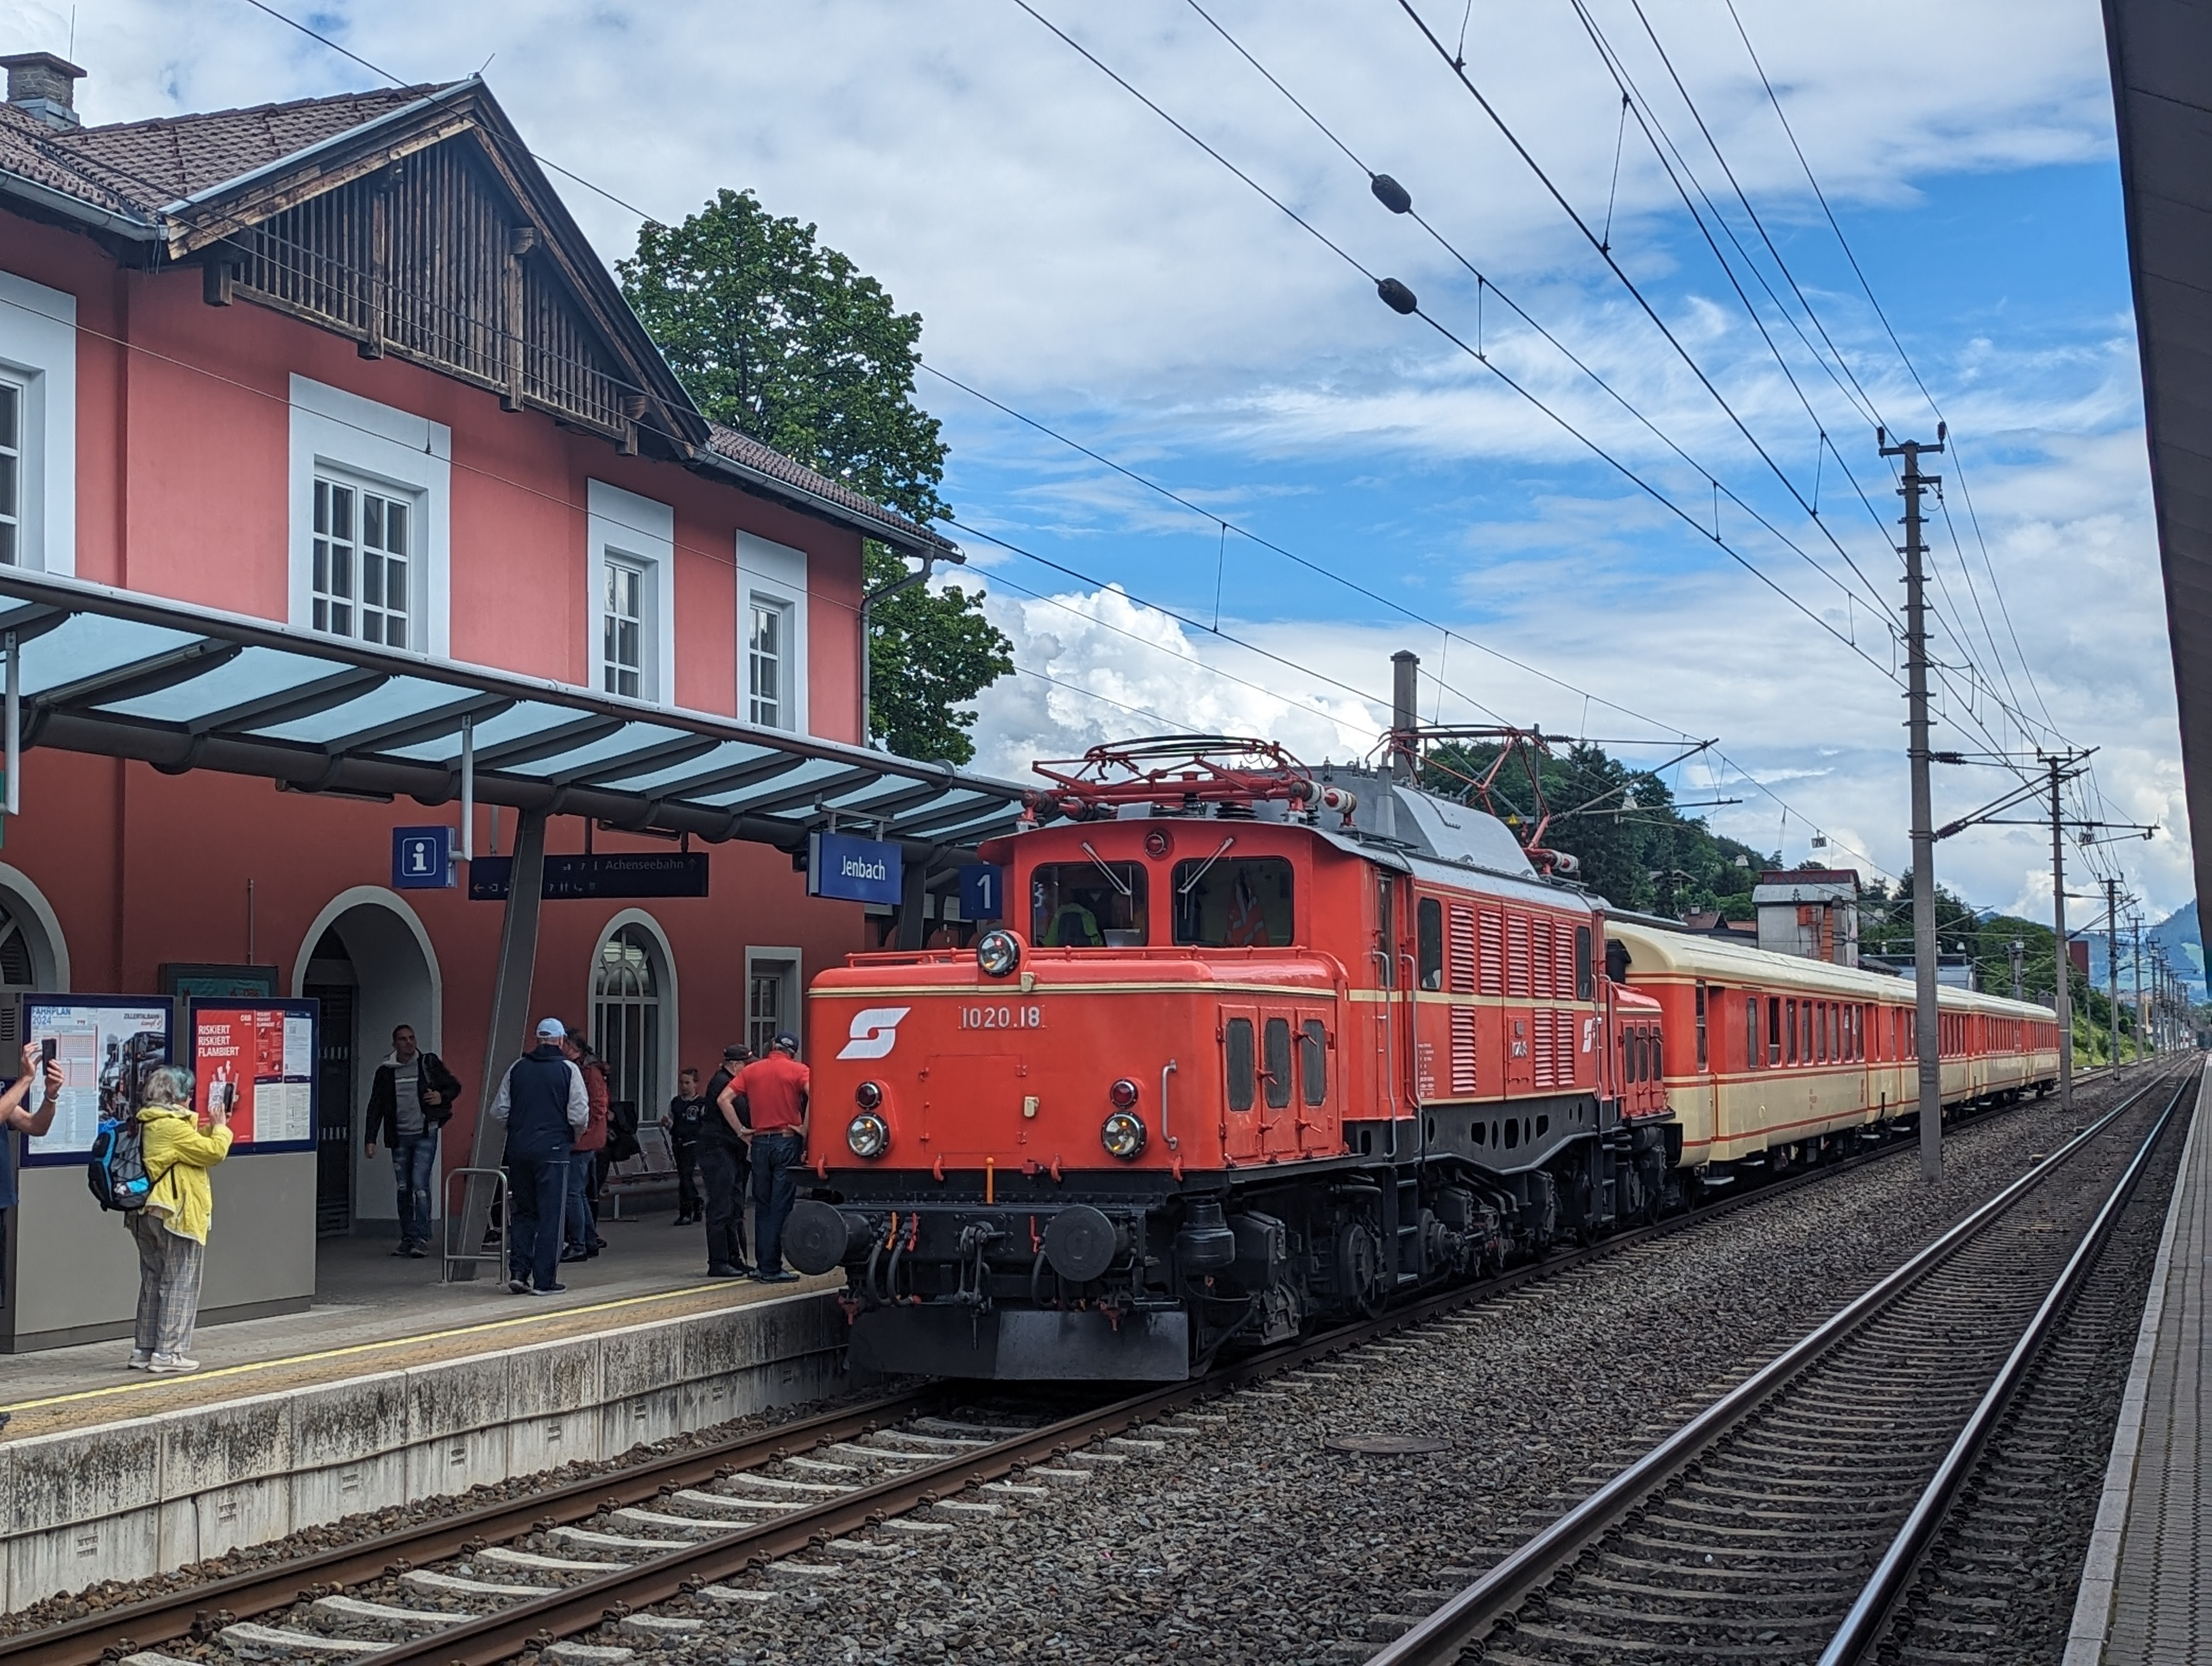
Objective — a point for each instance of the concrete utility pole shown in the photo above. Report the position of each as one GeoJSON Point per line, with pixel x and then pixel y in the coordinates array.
{"type": "Point", "coordinates": [2136, 982]}
{"type": "Point", "coordinates": [2112, 963]}
{"type": "Point", "coordinates": [2064, 1007]}
{"type": "Point", "coordinates": [1927, 1038]}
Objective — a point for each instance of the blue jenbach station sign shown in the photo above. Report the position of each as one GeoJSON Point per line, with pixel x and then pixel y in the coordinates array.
{"type": "Point", "coordinates": [852, 870]}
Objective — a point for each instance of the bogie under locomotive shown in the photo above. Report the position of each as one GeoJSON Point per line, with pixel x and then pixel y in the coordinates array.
{"type": "Point", "coordinates": [1263, 1047]}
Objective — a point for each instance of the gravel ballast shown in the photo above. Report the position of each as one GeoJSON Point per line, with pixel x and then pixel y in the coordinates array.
{"type": "Point", "coordinates": [1246, 1539]}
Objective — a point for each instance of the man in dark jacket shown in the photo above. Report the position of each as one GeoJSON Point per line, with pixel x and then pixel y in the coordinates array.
{"type": "Point", "coordinates": [410, 1099]}
{"type": "Point", "coordinates": [542, 1101]}
{"type": "Point", "coordinates": [722, 1166]}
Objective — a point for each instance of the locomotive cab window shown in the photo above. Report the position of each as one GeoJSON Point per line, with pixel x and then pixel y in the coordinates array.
{"type": "Point", "coordinates": [1087, 905]}
{"type": "Point", "coordinates": [1236, 1054]}
{"type": "Point", "coordinates": [1585, 973]}
{"type": "Point", "coordinates": [1275, 1045]}
{"type": "Point", "coordinates": [1233, 903]}
{"type": "Point", "coordinates": [1313, 1061]}
{"type": "Point", "coordinates": [1429, 942]}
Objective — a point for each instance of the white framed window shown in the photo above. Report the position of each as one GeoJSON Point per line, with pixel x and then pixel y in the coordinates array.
{"type": "Point", "coordinates": [38, 426]}
{"type": "Point", "coordinates": [771, 634]}
{"type": "Point", "coordinates": [631, 542]}
{"type": "Point", "coordinates": [767, 662]}
{"type": "Point", "coordinates": [772, 988]}
{"type": "Point", "coordinates": [361, 580]}
{"type": "Point", "coordinates": [371, 518]}
{"type": "Point", "coordinates": [622, 626]}
{"type": "Point", "coordinates": [11, 470]}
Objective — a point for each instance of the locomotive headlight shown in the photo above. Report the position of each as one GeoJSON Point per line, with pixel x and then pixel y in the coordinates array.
{"type": "Point", "coordinates": [868, 1134]}
{"type": "Point", "coordinates": [1123, 1095]}
{"type": "Point", "coordinates": [997, 953]}
{"type": "Point", "coordinates": [1123, 1136]}
{"type": "Point", "coordinates": [868, 1096]}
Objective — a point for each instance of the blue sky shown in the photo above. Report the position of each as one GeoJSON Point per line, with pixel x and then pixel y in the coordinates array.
{"type": "Point", "coordinates": [1076, 257]}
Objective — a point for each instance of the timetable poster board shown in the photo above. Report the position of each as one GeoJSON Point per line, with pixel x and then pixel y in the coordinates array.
{"type": "Point", "coordinates": [107, 1046]}
{"type": "Point", "coordinates": [256, 1059]}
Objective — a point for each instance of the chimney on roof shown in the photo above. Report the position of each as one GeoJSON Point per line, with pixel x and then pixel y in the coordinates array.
{"type": "Point", "coordinates": [44, 85]}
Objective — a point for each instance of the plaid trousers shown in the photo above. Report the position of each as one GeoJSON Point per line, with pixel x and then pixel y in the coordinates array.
{"type": "Point", "coordinates": [168, 1286]}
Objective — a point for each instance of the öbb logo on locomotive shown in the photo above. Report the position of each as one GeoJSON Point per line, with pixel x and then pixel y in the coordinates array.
{"type": "Point", "coordinates": [1319, 1040]}
{"type": "Point", "coordinates": [874, 1033]}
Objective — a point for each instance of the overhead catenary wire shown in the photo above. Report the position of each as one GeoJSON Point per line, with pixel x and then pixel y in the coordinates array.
{"type": "Point", "coordinates": [1644, 303]}
{"type": "Point", "coordinates": [1951, 616]}
{"type": "Point", "coordinates": [1851, 256]}
{"type": "Point", "coordinates": [1486, 285]}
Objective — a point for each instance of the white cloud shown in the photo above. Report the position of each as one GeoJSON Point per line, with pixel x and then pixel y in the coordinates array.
{"type": "Point", "coordinates": [1074, 255]}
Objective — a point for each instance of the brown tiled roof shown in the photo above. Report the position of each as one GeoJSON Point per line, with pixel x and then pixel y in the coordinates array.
{"type": "Point", "coordinates": [744, 449]}
{"type": "Point", "coordinates": [138, 167]}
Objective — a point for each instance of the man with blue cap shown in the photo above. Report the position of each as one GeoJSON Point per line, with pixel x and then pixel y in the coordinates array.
{"type": "Point", "coordinates": [543, 1102]}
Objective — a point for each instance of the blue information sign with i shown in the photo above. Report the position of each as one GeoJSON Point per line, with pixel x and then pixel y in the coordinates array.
{"type": "Point", "coordinates": [421, 858]}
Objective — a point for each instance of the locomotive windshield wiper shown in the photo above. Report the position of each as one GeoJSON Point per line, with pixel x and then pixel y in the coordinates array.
{"type": "Point", "coordinates": [1191, 883]}
{"type": "Point", "coordinates": [1112, 877]}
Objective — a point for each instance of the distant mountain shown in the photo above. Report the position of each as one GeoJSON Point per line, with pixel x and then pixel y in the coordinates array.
{"type": "Point", "coordinates": [2184, 947]}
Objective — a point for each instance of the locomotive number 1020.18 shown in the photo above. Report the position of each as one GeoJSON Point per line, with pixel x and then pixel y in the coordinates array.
{"type": "Point", "coordinates": [1002, 1018]}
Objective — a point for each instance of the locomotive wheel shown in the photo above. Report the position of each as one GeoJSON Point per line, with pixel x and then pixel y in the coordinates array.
{"type": "Point", "coordinates": [1359, 1267]}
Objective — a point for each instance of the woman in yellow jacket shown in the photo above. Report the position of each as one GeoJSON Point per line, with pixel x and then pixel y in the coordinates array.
{"type": "Point", "coordinates": [172, 1229]}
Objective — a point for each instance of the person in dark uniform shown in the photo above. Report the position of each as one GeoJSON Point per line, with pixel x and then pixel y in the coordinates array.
{"type": "Point", "coordinates": [544, 1107]}
{"type": "Point", "coordinates": [686, 1112]}
{"type": "Point", "coordinates": [722, 1136]}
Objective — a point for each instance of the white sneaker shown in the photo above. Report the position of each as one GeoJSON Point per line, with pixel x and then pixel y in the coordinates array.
{"type": "Point", "coordinates": [139, 1360]}
{"type": "Point", "coordinates": [166, 1364]}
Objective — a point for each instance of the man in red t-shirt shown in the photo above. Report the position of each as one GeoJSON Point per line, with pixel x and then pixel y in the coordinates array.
{"type": "Point", "coordinates": [774, 1090]}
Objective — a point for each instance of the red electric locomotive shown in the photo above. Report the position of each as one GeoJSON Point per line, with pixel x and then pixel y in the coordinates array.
{"type": "Point", "coordinates": [1258, 1046]}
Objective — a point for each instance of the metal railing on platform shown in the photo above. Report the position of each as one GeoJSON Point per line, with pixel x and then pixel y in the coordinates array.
{"type": "Point", "coordinates": [492, 1247]}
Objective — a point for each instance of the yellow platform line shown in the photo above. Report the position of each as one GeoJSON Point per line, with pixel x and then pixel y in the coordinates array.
{"type": "Point", "coordinates": [168, 1380]}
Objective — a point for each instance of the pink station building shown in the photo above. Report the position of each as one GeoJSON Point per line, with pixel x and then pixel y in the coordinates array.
{"type": "Point", "coordinates": [328, 450]}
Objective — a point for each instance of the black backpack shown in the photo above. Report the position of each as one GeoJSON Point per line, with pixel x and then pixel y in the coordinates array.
{"type": "Point", "coordinates": [116, 1168]}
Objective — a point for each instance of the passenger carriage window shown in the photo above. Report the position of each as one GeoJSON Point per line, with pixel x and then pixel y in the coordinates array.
{"type": "Point", "coordinates": [1237, 1050]}
{"type": "Point", "coordinates": [1701, 1027]}
{"type": "Point", "coordinates": [1313, 1061]}
{"type": "Point", "coordinates": [1585, 977]}
{"type": "Point", "coordinates": [1275, 1044]}
{"type": "Point", "coordinates": [1790, 1031]}
{"type": "Point", "coordinates": [1429, 942]}
{"type": "Point", "coordinates": [1088, 905]}
{"type": "Point", "coordinates": [1233, 903]}
{"type": "Point", "coordinates": [1751, 1032]}
{"type": "Point", "coordinates": [1773, 1030]}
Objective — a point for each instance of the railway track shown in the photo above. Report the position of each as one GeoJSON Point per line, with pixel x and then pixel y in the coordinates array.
{"type": "Point", "coordinates": [795, 1503]}
{"type": "Point", "coordinates": [1786, 1521]}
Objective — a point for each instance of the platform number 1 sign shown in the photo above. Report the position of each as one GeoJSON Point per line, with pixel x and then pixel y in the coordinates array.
{"type": "Point", "coordinates": [421, 858]}
{"type": "Point", "coordinates": [982, 891]}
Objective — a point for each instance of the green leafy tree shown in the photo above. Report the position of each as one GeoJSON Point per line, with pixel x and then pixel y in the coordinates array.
{"type": "Point", "coordinates": [792, 344]}
{"type": "Point", "coordinates": [1635, 849]}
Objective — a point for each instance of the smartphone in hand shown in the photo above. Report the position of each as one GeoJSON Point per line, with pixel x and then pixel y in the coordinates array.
{"type": "Point", "coordinates": [47, 1047]}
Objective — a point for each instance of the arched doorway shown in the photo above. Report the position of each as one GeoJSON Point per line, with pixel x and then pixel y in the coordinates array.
{"type": "Point", "coordinates": [34, 957]}
{"type": "Point", "coordinates": [368, 960]}
{"type": "Point", "coordinates": [633, 1011]}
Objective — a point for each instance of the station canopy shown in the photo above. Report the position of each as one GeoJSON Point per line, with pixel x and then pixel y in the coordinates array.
{"type": "Point", "coordinates": [119, 674]}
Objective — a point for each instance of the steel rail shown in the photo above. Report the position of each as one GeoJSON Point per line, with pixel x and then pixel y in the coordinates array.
{"type": "Point", "coordinates": [108, 1633]}
{"type": "Point", "coordinates": [1443, 1633]}
{"type": "Point", "coordinates": [1894, 1575]}
{"type": "Point", "coordinates": [84, 1640]}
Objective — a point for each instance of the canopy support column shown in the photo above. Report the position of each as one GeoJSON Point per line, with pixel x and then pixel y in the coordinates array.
{"type": "Point", "coordinates": [510, 1018]}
